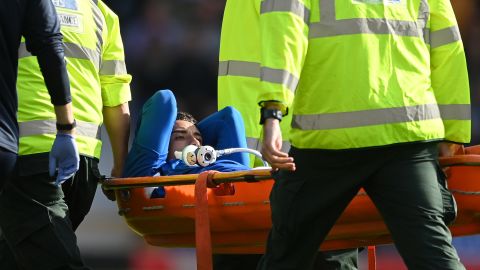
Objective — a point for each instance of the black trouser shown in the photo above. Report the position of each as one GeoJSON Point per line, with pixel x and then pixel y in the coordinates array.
{"type": "Point", "coordinates": [7, 164]}
{"type": "Point", "coordinates": [402, 181]}
{"type": "Point", "coordinates": [80, 191]}
{"type": "Point", "coordinates": [325, 260]}
{"type": "Point", "coordinates": [37, 231]}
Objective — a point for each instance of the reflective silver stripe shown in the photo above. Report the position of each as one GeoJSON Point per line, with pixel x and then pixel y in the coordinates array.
{"type": "Point", "coordinates": [72, 50]}
{"type": "Point", "coordinates": [97, 18]}
{"type": "Point", "coordinates": [329, 26]}
{"type": "Point", "coordinates": [113, 67]}
{"type": "Point", "coordinates": [255, 144]}
{"type": "Point", "coordinates": [279, 76]}
{"type": "Point", "coordinates": [327, 11]}
{"type": "Point", "coordinates": [364, 26]}
{"type": "Point", "coordinates": [455, 111]}
{"type": "Point", "coordinates": [444, 36]}
{"type": "Point", "coordinates": [293, 6]}
{"type": "Point", "coordinates": [239, 68]}
{"type": "Point", "coordinates": [366, 117]}
{"type": "Point", "coordinates": [252, 69]}
{"type": "Point", "coordinates": [422, 19]}
{"type": "Point", "coordinates": [286, 146]}
{"type": "Point", "coordinates": [39, 127]}
{"type": "Point", "coordinates": [426, 35]}
{"type": "Point", "coordinates": [22, 51]}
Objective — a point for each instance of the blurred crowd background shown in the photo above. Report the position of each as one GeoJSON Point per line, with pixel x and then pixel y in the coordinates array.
{"type": "Point", "coordinates": [173, 44]}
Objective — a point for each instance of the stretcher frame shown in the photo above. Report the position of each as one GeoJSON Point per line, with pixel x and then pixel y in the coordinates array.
{"type": "Point", "coordinates": [217, 212]}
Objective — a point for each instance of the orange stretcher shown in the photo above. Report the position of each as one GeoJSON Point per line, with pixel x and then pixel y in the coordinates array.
{"type": "Point", "coordinates": [235, 216]}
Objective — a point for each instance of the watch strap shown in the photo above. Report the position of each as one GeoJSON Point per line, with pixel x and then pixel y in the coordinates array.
{"type": "Point", "coordinates": [67, 127]}
{"type": "Point", "coordinates": [270, 113]}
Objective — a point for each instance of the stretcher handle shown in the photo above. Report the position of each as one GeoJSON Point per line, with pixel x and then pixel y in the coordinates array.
{"type": "Point", "coordinates": [464, 156]}
{"type": "Point", "coordinates": [460, 160]}
{"type": "Point", "coordinates": [188, 179]}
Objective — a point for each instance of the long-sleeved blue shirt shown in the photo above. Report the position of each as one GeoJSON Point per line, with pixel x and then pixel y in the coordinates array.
{"type": "Point", "coordinates": [148, 156]}
{"type": "Point", "coordinates": [37, 21]}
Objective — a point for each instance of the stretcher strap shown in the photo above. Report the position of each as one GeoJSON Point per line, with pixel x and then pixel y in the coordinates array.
{"type": "Point", "coordinates": [203, 239]}
{"type": "Point", "coordinates": [372, 258]}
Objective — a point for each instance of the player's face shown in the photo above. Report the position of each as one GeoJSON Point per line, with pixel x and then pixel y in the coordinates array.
{"type": "Point", "coordinates": [184, 133]}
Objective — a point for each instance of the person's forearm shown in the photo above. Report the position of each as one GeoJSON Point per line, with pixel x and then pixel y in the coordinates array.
{"type": "Point", "coordinates": [64, 114]}
{"type": "Point", "coordinates": [117, 123]}
{"type": "Point", "coordinates": [44, 40]}
{"type": "Point", "coordinates": [53, 67]}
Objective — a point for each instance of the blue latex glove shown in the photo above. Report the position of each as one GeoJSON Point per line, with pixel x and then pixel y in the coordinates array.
{"type": "Point", "coordinates": [64, 155]}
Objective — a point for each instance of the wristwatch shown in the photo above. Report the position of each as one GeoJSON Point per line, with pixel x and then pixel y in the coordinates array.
{"type": "Point", "coordinates": [270, 113]}
{"type": "Point", "coordinates": [66, 127]}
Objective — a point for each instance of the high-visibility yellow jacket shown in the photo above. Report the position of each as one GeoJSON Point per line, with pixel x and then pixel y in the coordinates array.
{"type": "Point", "coordinates": [369, 72]}
{"type": "Point", "coordinates": [98, 78]}
{"type": "Point", "coordinates": [239, 69]}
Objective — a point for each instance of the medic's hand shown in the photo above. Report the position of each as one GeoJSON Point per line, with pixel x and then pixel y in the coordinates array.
{"type": "Point", "coordinates": [448, 149]}
{"type": "Point", "coordinates": [64, 156]}
{"type": "Point", "coordinates": [272, 145]}
{"type": "Point", "coordinates": [110, 194]}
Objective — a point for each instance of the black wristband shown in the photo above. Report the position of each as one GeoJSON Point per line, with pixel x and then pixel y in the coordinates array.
{"type": "Point", "coordinates": [67, 127]}
{"type": "Point", "coordinates": [270, 113]}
